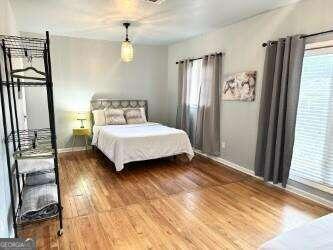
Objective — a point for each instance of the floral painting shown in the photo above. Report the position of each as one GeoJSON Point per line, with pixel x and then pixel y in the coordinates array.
{"type": "Point", "coordinates": [240, 87]}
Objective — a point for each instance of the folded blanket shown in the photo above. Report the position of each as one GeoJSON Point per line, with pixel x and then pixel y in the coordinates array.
{"type": "Point", "coordinates": [40, 178]}
{"type": "Point", "coordinates": [35, 165]}
{"type": "Point", "coordinates": [39, 202]}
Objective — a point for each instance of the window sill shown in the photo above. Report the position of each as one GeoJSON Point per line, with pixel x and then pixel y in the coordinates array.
{"type": "Point", "coordinates": [312, 184]}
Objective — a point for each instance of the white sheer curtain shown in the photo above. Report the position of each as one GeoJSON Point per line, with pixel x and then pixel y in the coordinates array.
{"type": "Point", "coordinates": [189, 81]}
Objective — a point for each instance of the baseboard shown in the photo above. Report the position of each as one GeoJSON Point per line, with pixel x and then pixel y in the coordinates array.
{"type": "Point", "coordinates": [289, 188]}
{"type": "Point", "coordinates": [228, 163]}
{"type": "Point", "coordinates": [75, 149]}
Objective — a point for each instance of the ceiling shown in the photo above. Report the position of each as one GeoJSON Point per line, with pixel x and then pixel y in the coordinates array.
{"type": "Point", "coordinates": [164, 23]}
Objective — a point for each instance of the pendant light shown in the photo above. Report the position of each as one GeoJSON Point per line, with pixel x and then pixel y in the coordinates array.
{"type": "Point", "coordinates": [126, 47]}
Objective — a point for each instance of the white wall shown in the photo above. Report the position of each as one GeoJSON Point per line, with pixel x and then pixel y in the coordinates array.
{"type": "Point", "coordinates": [242, 44]}
{"type": "Point", "coordinates": [84, 68]}
{"type": "Point", "coordinates": [7, 27]}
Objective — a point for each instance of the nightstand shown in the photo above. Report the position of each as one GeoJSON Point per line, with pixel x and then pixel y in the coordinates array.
{"type": "Point", "coordinates": [81, 132]}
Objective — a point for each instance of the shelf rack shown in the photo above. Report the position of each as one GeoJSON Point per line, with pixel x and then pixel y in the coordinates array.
{"type": "Point", "coordinates": [25, 144]}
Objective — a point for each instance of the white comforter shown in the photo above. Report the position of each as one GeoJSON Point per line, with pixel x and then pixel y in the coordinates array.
{"type": "Point", "coordinates": [138, 142]}
{"type": "Point", "coordinates": [315, 235]}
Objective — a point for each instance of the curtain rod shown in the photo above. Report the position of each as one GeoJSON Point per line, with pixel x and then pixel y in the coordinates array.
{"type": "Point", "coordinates": [305, 36]}
{"type": "Point", "coordinates": [198, 58]}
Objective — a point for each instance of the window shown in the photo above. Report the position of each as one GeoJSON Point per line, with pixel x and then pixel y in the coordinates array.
{"type": "Point", "coordinates": [312, 161]}
{"type": "Point", "coordinates": [194, 86]}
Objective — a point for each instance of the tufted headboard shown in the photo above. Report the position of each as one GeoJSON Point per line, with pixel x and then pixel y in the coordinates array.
{"type": "Point", "coordinates": [111, 103]}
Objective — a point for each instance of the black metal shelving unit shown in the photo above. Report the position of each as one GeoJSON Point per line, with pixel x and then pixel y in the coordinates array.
{"type": "Point", "coordinates": [25, 144]}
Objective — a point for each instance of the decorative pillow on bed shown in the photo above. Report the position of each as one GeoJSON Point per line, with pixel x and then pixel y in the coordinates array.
{"type": "Point", "coordinates": [143, 112]}
{"type": "Point", "coordinates": [134, 116]}
{"type": "Point", "coordinates": [99, 117]}
{"type": "Point", "coordinates": [115, 117]}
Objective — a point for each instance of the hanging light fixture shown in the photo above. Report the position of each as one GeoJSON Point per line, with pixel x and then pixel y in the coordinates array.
{"type": "Point", "coordinates": [126, 47]}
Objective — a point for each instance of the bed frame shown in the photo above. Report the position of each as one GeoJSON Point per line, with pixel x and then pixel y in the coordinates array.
{"type": "Point", "coordinates": [96, 104]}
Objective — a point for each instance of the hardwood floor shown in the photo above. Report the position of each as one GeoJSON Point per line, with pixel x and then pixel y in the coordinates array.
{"type": "Point", "coordinates": [166, 204]}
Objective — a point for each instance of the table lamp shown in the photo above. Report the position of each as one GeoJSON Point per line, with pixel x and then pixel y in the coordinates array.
{"type": "Point", "coordinates": [81, 117]}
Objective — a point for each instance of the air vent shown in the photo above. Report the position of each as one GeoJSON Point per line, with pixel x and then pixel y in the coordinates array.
{"type": "Point", "coordinates": [155, 1]}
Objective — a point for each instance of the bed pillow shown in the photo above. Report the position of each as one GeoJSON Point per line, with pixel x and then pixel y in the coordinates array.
{"type": "Point", "coordinates": [143, 112]}
{"type": "Point", "coordinates": [115, 117]}
{"type": "Point", "coordinates": [99, 117]}
{"type": "Point", "coordinates": [134, 116]}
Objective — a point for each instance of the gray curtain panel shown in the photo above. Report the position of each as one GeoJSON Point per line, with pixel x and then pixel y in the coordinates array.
{"type": "Point", "coordinates": [182, 86]}
{"type": "Point", "coordinates": [185, 115]}
{"type": "Point", "coordinates": [278, 108]}
{"type": "Point", "coordinates": [207, 137]}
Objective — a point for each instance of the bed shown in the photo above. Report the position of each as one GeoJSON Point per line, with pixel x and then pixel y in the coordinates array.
{"type": "Point", "coordinates": [316, 234]}
{"type": "Point", "coordinates": [137, 142]}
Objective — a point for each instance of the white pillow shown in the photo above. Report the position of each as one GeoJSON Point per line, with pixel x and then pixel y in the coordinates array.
{"type": "Point", "coordinates": [115, 117]}
{"type": "Point", "coordinates": [99, 117]}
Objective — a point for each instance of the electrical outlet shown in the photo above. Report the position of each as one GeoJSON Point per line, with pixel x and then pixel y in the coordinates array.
{"type": "Point", "coordinates": [224, 145]}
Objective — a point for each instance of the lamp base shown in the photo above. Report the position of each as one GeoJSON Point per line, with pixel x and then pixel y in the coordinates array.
{"type": "Point", "coordinates": [82, 124]}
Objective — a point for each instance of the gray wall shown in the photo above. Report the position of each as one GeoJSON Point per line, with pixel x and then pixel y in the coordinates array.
{"type": "Point", "coordinates": [84, 68]}
{"type": "Point", "coordinates": [242, 44]}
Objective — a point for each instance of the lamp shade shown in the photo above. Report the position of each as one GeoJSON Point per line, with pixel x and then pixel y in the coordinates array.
{"type": "Point", "coordinates": [126, 51]}
{"type": "Point", "coordinates": [82, 116]}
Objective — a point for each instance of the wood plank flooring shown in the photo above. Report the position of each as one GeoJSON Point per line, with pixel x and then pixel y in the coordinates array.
{"type": "Point", "coordinates": [166, 204]}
